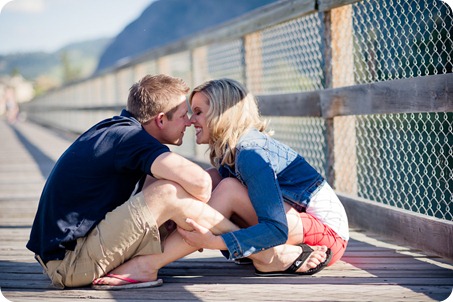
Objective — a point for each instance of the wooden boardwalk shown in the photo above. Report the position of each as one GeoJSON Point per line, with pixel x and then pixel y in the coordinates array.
{"type": "Point", "coordinates": [373, 269]}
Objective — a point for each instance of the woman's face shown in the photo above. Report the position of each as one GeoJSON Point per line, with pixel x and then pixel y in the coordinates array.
{"type": "Point", "coordinates": [200, 107]}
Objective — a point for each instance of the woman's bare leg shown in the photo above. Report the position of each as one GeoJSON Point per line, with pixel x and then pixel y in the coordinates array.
{"type": "Point", "coordinates": [231, 198]}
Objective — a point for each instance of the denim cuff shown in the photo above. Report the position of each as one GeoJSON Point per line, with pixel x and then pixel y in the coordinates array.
{"type": "Point", "coordinates": [233, 246]}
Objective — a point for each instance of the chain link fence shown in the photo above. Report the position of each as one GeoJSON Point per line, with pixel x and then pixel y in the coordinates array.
{"type": "Point", "coordinates": [403, 160]}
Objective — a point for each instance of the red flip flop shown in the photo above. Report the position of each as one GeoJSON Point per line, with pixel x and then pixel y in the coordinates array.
{"type": "Point", "coordinates": [131, 283]}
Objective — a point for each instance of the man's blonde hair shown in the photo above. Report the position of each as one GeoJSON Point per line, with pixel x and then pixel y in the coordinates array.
{"type": "Point", "coordinates": [233, 110]}
{"type": "Point", "coordinates": [154, 94]}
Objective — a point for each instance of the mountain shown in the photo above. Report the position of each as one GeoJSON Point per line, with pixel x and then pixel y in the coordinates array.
{"type": "Point", "coordinates": [79, 59]}
{"type": "Point", "coordinates": [165, 21]}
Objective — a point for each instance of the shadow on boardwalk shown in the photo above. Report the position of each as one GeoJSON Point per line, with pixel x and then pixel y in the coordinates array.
{"type": "Point", "coordinates": [372, 269]}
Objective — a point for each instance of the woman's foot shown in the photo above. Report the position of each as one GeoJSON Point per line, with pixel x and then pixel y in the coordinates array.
{"type": "Point", "coordinates": [318, 256]}
{"type": "Point", "coordinates": [283, 257]}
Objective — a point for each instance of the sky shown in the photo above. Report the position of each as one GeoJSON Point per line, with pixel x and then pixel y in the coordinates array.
{"type": "Point", "coordinates": [48, 25]}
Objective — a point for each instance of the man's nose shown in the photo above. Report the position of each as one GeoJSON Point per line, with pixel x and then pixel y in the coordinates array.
{"type": "Point", "coordinates": [188, 121]}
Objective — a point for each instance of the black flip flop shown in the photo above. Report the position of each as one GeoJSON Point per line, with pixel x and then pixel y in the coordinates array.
{"type": "Point", "coordinates": [292, 270]}
{"type": "Point", "coordinates": [243, 261]}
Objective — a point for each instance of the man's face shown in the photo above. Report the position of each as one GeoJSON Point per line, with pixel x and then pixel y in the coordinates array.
{"type": "Point", "coordinates": [174, 129]}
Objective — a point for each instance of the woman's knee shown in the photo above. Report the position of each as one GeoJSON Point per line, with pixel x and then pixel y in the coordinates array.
{"type": "Point", "coordinates": [232, 200]}
{"type": "Point", "coordinates": [231, 186]}
{"type": "Point", "coordinates": [227, 194]}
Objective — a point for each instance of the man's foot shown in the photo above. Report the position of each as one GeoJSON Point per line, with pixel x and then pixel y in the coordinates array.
{"type": "Point", "coordinates": [133, 269]}
{"type": "Point", "coordinates": [129, 283]}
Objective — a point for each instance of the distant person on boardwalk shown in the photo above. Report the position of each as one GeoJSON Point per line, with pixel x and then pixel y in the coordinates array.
{"type": "Point", "coordinates": [112, 189]}
{"type": "Point", "coordinates": [274, 190]}
{"type": "Point", "coordinates": [11, 106]}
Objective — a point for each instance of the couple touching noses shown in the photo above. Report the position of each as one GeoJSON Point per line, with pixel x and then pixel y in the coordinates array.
{"type": "Point", "coordinates": [288, 220]}
{"type": "Point", "coordinates": [102, 213]}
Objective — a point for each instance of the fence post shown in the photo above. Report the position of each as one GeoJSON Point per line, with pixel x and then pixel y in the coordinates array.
{"type": "Point", "coordinates": [163, 66]}
{"type": "Point", "coordinates": [200, 73]}
{"type": "Point", "coordinates": [341, 130]}
{"type": "Point", "coordinates": [253, 61]}
{"type": "Point", "coordinates": [327, 42]}
{"type": "Point", "coordinates": [199, 65]}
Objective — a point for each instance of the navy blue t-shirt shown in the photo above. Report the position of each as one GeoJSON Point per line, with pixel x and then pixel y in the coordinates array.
{"type": "Point", "coordinates": [97, 173]}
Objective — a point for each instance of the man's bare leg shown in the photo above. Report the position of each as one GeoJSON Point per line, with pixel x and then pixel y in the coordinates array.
{"type": "Point", "coordinates": [167, 200]}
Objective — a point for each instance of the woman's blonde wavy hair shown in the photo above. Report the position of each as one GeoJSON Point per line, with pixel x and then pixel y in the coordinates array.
{"type": "Point", "coordinates": [233, 110]}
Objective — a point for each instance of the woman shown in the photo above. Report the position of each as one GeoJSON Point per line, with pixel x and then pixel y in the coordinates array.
{"type": "Point", "coordinates": [278, 195]}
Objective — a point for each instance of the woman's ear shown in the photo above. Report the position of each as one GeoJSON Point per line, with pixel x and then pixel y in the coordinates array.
{"type": "Point", "coordinates": [159, 120]}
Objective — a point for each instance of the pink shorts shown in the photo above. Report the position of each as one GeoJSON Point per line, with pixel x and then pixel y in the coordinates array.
{"type": "Point", "coordinates": [316, 233]}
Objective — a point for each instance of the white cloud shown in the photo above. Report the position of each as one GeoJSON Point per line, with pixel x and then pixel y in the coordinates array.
{"type": "Point", "coordinates": [3, 3]}
{"type": "Point", "coordinates": [25, 6]}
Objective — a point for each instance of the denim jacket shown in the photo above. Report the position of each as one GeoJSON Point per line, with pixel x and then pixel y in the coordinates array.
{"type": "Point", "coordinates": [273, 173]}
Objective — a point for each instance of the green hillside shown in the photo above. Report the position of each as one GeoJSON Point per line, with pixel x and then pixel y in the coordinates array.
{"type": "Point", "coordinates": [71, 62]}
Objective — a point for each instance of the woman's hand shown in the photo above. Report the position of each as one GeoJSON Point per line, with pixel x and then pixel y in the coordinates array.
{"type": "Point", "coordinates": [201, 237]}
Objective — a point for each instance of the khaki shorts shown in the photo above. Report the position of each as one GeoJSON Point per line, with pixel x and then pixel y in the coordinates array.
{"type": "Point", "coordinates": [128, 231]}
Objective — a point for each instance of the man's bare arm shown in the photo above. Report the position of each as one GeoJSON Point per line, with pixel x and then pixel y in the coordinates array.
{"type": "Point", "coordinates": [196, 181]}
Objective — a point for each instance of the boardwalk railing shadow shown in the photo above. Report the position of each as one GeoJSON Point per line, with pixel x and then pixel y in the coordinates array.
{"type": "Point", "coordinates": [45, 163]}
{"type": "Point", "coordinates": [392, 264]}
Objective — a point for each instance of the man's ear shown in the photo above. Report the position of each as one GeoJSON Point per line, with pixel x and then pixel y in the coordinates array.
{"type": "Point", "coordinates": [159, 120]}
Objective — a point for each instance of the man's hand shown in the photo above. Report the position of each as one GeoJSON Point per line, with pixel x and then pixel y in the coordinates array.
{"type": "Point", "coordinates": [201, 237]}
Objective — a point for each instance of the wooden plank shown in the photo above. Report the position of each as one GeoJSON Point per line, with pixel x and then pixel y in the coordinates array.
{"type": "Point", "coordinates": [243, 292]}
{"type": "Point", "coordinates": [199, 65]}
{"type": "Point", "coordinates": [422, 94]}
{"type": "Point", "coordinates": [342, 74]}
{"type": "Point", "coordinates": [326, 5]}
{"type": "Point", "coordinates": [290, 104]}
{"type": "Point", "coordinates": [420, 231]}
{"type": "Point", "coordinates": [253, 61]}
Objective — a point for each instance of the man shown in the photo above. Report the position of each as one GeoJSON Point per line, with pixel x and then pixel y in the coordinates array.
{"type": "Point", "coordinates": [90, 218]}
{"type": "Point", "coordinates": [96, 225]}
